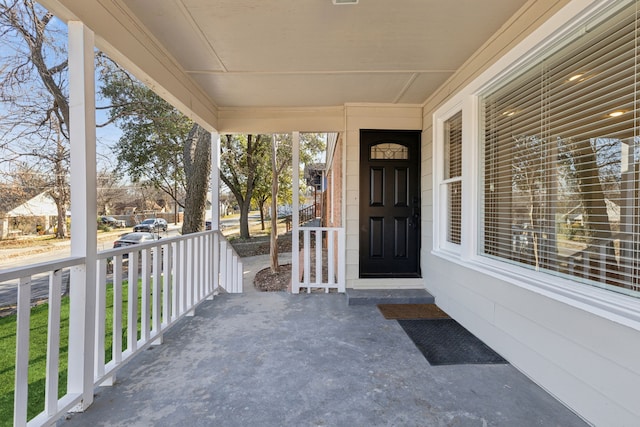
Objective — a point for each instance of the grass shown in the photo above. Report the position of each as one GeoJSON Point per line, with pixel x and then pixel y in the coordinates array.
{"type": "Point", "coordinates": [37, 352]}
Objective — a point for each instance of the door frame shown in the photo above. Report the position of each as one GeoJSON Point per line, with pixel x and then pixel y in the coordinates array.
{"type": "Point", "coordinates": [412, 139]}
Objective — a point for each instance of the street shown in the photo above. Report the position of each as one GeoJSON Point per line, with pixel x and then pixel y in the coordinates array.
{"type": "Point", "coordinates": [40, 283]}
{"type": "Point", "coordinates": [15, 258]}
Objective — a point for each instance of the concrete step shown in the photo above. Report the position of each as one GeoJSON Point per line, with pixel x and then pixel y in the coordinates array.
{"type": "Point", "coordinates": [388, 296]}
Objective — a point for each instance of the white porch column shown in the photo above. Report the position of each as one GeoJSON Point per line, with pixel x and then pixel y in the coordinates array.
{"type": "Point", "coordinates": [215, 181]}
{"type": "Point", "coordinates": [295, 214]}
{"type": "Point", "coordinates": [214, 262]}
{"type": "Point", "coordinates": [83, 211]}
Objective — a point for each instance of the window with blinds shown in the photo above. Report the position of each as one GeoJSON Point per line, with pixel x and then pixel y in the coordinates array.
{"type": "Point", "coordinates": [561, 159]}
{"type": "Point", "coordinates": [453, 176]}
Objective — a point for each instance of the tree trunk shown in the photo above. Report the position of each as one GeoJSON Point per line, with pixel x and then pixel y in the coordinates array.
{"type": "Point", "coordinates": [61, 223]}
{"type": "Point", "coordinates": [244, 218]}
{"type": "Point", "coordinates": [61, 192]}
{"type": "Point", "coordinates": [262, 226]}
{"type": "Point", "coordinates": [197, 165]}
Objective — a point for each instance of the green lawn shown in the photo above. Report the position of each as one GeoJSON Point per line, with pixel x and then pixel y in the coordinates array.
{"type": "Point", "coordinates": [37, 354]}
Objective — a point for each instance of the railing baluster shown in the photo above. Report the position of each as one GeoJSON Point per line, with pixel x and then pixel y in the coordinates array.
{"type": "Point", "coordinates": [307, 258]}
{"type": "Point", "coordinates": [132, 309]}
{"type": "Point", "coordinates": [216, 261]}
{"type": "Point", "coordinates": [235, 286]}
{"type": "Point", "coordinates": [166, 284]}
{"type": "Point", "coordinates": [318, 277]}
{"type": "Point", "coordinates": [175, 281]}
{"type": "Point", "coordinates": [156, 314]}
{"type": "Point", "coordinates": [190, 277]}
{"type": "Point", "coordinates": [241, 285]}
{"type": "Point", "coordinates": [229, 258]}
{"type": "Point", "coordinates": [342, 263]}
{"type": "Point", "coordinates": [183, 276]}
{"type": "Point", "coordinates": [53, 343]}
{"type": "Point", "coordinates": [101, 308]}
{"type": "Point", "coordinates": [22, 353]}
{"type": "Point", "coordinates": [223, 263]}
{"type": "Point", "coordinates": [117, 309]}
{"type": "Point", "coordinates": [331, 279]}
{"type": "Point", "coordinates": [145, 305]}
{"type": "Point", "coordinates": [202, 256]}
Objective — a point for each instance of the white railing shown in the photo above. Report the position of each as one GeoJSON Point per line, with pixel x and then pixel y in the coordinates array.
{"type": "Point", "coordinates": [141, 291]}
{"type": "Point", "coordinates": [322, 259]}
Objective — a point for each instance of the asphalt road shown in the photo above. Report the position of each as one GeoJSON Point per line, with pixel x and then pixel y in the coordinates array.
{"type": "Point", "coordinates": [40, 283]}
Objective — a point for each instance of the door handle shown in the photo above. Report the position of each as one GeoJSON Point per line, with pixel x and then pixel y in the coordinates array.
{"type": "Point", "coordinates": [415, 213]}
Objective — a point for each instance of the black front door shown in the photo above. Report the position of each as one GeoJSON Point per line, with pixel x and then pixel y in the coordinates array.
{"type": "Point", "coordinates": [389, 203]}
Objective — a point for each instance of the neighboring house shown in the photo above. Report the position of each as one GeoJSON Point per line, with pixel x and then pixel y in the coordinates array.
{"type": "Point", "coordinates": [39, 213]}
{"type": "Point", "coordinates": [451, 122]}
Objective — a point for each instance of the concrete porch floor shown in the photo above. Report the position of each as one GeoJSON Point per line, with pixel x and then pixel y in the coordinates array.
{"type": "Point", "coordinates": [276, 359]}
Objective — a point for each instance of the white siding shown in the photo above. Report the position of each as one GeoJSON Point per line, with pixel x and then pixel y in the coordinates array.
{"type": "Point", "coordinates": [581, 354]}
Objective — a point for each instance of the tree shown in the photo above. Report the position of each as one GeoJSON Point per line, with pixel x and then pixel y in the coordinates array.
{"type": "Point", "coordinates": [33, 87]}
{"type": "Point", "coordinates": [240, 158]}
{"type": "Point", "coordinates": [154, 133]}
{"type": "Point", "coordinates": [108, 192]}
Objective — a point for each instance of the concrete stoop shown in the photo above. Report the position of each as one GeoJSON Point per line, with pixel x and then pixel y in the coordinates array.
{"type": "Point", "coordinates": [388, 296]}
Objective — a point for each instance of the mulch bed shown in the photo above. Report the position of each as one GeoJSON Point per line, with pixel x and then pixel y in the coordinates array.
{"type": "Point", "coordinates": [266, 281]}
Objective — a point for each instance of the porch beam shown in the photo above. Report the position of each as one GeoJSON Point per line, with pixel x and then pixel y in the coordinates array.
{"type": "Point", "coordinates": [83, 212]}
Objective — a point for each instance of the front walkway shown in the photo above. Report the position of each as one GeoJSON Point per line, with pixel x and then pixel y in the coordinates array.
{"type": "Point", "coordinates": [276, 359]}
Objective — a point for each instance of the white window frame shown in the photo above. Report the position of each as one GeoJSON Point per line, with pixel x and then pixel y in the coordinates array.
{"type": "Point", "coordinates": [613, 306]}
{"type": "Point", "coordinates": [441, 183]}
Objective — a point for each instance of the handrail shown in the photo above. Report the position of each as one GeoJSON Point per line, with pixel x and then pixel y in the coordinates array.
{"type": "Point", "coordinates": [159, 282]}
{"type": "Point", "coordinates": [304, 215]}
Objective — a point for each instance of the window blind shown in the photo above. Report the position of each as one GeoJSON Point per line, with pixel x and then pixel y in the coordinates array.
{"type": "Point", "coordinates": [560, 170]}
{"type": "Point", "coordinates": [453, 176]}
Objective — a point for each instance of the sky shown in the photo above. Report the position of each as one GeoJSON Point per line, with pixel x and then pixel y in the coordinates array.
{"type": "Point", "coordinates": [106, 137]}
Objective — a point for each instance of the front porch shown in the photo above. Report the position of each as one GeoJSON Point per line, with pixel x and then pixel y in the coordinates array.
{"type": "Point", "coordinates": [277, 359]}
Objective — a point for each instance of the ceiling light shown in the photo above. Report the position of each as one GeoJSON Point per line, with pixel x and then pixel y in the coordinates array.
{"type": "Point", "coordinates": [616, 113]}
{"type": "Point", "coordinates": [509, 113]}
{"type": "Point", "coordinates": [575, 77]}
{"type": "Point", "coordinates": [345, 1]}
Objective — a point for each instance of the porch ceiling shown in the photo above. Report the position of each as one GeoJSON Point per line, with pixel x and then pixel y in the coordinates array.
{"type": "Point", "coordinates": [311, 53]}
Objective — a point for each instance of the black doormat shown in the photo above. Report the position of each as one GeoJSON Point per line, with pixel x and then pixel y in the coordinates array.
{"type": "Point", "coordinates": [446, 342]}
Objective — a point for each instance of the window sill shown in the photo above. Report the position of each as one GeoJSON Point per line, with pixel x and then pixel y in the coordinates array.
{"type": "Point", "coordinates": [617, 308]}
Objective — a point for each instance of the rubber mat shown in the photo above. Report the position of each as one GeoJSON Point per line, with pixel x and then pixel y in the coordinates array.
{"type": "Point", "coordinates": [446, 342]}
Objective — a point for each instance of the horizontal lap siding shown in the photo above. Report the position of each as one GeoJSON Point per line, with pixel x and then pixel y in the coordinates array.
{"type": "Point", "coordinates": [585, 360]}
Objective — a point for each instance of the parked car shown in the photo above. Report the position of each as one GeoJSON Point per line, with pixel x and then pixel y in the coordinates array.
{"type": "Point", "coordinates": [207, 225]}
{"type": "Point", "coordinates": [135, 238]}
{"type": "Point", "coordinates": [152, 225]}
{"type": "Point", "coordinates": [112, 222]}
